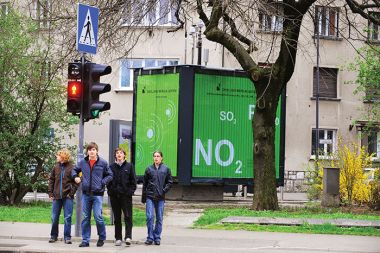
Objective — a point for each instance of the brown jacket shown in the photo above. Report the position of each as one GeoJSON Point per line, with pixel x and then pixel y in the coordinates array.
{"type": "Point", "coordinates": [69, 187]}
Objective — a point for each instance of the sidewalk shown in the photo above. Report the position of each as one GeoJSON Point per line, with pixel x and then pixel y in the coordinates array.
{"type": "Point", "coordinates": [31, 237]}
{"type": "Point", "coordinates": [178, 237]}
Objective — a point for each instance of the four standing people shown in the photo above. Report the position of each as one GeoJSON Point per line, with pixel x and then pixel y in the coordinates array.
{"type": "Point", "coordinates": [157, 182]}
{"type": "Point", "coordinates": [95, 176]}
{"type": "Point", "coordinates": [120, 178]}
{"type": "Point", "coordinates": [120, 190]}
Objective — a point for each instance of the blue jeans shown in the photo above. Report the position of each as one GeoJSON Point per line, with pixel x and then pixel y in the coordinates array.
{"type": "Point", "coordinates": [67, 205]}
{"type": "Point", "coordinates": [95, 203]}
{"type": "Point", "coordinates": [154, 207]}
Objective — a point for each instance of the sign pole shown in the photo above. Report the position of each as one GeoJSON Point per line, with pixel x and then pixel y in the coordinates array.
{"type": "Point", "coordinates": [86, 42]}
{"type": "Point", "coordinates": [80, 156]}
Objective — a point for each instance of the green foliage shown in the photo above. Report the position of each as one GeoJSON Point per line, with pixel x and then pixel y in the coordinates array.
{"type": "Point", "coordinates": [32, 109]}
{"type": "Point", "coordinates": [314, 179]}
{"type": "Point", "coordinates": [374, 200]}
{"type": "Point", "coordinates": [367, 64]}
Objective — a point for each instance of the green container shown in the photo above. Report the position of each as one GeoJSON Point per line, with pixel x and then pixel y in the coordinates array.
{"type": "Point", "coordinates": [201, 119]}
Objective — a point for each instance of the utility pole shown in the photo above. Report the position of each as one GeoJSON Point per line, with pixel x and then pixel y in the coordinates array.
{"type": "Point", "coordinates": [319, 15]}
{"type": "Point", "coordinates": [199, 43]}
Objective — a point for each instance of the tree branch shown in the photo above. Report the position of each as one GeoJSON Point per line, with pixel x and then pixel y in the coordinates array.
{"type": "Point", "coordinates": [238, 35]}
{"type": "Point", "coordinates": [360, 9]}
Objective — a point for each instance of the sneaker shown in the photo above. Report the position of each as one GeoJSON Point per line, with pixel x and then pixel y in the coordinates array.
{"type": "Point", "coordinates": [100, 243]}
{"type": "Point", "coordinates": [68, 241]}
{"type": "Point", "coordinates": [118, 243]}
{"type": "Point", "coordinates": [52, 239]}
{"type": "Point", "coordinates": [128, 241]}
{"type": "Point", "coordinates": [148, 242]}
{"type": "Point", "coordinates": [84, 244]}
{"type": "Point", "coordinates": [157, 243]}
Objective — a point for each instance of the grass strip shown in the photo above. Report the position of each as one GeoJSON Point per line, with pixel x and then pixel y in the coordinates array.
{"type": "Point", "coordinates": [40, 212]}
{"type": "Point", "coordinates": [212, 216]}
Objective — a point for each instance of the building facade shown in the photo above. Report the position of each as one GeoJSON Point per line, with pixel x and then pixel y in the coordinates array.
{"type": "Point", "coordinates": [339, 107]}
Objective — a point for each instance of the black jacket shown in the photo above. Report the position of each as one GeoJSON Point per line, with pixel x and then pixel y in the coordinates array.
{"type": "Point", "coordinates": [156, 183]}
{"type": "Point", "coordinates": [124, 180]}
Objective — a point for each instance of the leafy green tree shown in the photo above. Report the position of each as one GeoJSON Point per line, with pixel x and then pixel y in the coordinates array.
{"type": "Point", "coordinates": [367, 64]}
{"type": "Point", "coordinates": [32, 109]}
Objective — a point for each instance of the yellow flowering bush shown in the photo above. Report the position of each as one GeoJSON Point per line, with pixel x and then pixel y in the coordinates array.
{"type": "Point", "coordinates": [354, 183]}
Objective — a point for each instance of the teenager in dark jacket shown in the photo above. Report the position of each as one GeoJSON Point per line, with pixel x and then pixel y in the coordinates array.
{"type": "Point", "coordinates": [95, 176]}
{"type": "Point", "coordinates": [157, 182]}
{"type": "Point", "coordinates": [120, 190]}
{"type": "Point", "coordinates": [61, 189]}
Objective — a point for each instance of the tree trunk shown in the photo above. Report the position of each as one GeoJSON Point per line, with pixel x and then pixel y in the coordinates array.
{"type": "Point", "coordinates": [265, 196]}
{"type": "Point", "coordinates": [23, 190]}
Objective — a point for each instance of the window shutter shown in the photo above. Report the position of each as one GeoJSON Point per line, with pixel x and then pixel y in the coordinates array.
{"type": "Point", "coordinates": [332, 22]}
{"type": "Point", "coordinates": [327, 82]}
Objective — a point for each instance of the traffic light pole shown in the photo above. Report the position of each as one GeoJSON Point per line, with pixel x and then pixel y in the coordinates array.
{"type": "Point", "coordinates": [80, 157]}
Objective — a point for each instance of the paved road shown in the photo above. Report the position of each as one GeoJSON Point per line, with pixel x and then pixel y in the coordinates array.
{"type": "Point", "coordinates": [31, 237]}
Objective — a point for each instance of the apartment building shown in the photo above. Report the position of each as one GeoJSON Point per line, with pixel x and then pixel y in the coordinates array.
{"type": "Point", "coordinates": [341, 112]}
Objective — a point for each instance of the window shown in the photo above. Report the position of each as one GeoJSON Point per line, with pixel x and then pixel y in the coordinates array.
{"type": "Point", "coordinates": [42, 12]}
{"type": "Point", "coordinates": [328, 78]}
{"type": "Point", "coordinates": [374, 29]}
{"type": "Point", "coordinates": [148, 13]}
{"type": "Point", "coordinates": [127, 65]}
{"type": "Point", "coordinates": [327, 142]}
{"type": "Point", "coordinates": [370, 139]}
{"type": "Point", "coordinates": [271, 21]}
{"type": "Point", "coordinates": [327, 21]}
{"type": "Point", "coordinates": [4, 8]}
{"type": "Point", "coordinates": [374, 143]}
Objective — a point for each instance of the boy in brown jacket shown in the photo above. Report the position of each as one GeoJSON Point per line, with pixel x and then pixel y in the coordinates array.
{"type": "Point", "coordinates": [61, 190]}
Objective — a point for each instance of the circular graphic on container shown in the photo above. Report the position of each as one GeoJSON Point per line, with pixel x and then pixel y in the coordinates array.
{"type": "Point", "coordinates": [139, 153]}
{"type": "Point", "coordinates": [150, 133]}
{"type": "Point", "coordinates": [171, 112]}
{"type": "Point", "coordinates": [154, 131]}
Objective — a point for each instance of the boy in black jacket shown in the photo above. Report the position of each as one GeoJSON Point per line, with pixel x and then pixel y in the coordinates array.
{"type": "Point", "coordinates": [120, 190]}
{"type": "Point", "coordinates": [157, 182]}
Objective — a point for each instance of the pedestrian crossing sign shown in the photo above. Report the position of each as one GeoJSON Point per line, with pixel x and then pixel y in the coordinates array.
{"type": "Point", "coordinates": [87, 28]}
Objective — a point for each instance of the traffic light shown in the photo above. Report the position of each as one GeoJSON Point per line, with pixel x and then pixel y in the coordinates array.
{"type": "Point", "coordinates": [74, 88]}
{"type": "Point", "coordinates": [92, 105]}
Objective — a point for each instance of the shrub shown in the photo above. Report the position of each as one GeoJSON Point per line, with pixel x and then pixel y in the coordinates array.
{"type": "Point", "coordinates": [354, 184]}
{"type": "Point", "coordinates": [374, 200]}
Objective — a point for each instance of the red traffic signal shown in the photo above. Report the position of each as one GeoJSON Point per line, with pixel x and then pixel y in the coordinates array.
{"type": "Point", "coordinates": [74, 94]}
{"type": "Point", "coordinates": [74, 89]}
